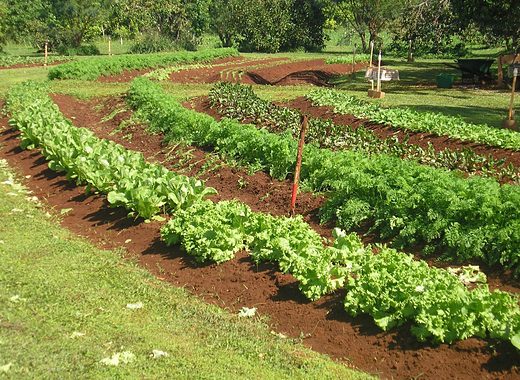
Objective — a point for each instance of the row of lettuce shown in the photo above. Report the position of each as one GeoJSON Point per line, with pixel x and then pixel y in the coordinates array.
{"type": "Point", "coordinates": [390, 286]}
{"type": "Point", "coordinates": [94, 67]}
{"type": "Point", "coordinates": [405, 118]}
{"type": "Point", "coordinates": [400, 201]}
{"type": "Point", "coordinates": [239, 102]}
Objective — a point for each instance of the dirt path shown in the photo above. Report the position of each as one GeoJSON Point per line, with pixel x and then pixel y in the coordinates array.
{"type": "Point", "coordinates": [322, 325]}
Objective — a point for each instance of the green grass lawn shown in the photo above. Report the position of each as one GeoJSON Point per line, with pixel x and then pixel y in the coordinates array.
{"type": "Point", "coordinates": [417, 89]}
{"type": "Point", "coordinates": [63, 310]}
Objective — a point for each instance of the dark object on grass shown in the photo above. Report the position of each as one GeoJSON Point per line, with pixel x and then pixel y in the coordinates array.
{"type": "Point", "coordinates": [474, 70]}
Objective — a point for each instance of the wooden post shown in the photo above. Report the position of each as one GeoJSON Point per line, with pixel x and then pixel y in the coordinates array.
{"type": "Point", "coordinates": [45, 60]}
{"type": "Point", "coordinates": [410, 53]}
{"type": "Point", "coordinates": [512, 101]}
{"type": "Point", "coordinates": [371, 52]}
{"type": "Point", "coordinates": [510, 121]}
{"type": "Point", "coordinates": [500, 72]}
{"type": "Point", "coordinates": [377, 93]}
{"type": "Point", "coordinates": [353, 58]}
{"type": "Point", "coordinates": [121, 39]}
{"type": "Point", "coordinates": [304, 123]}
{"type": "Point", "coordinates": [379, 73]}
{"type": "Point", "coordinates": [109, 45]}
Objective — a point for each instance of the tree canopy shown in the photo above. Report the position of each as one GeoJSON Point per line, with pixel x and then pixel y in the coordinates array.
{"type": "Point", "coordinates": [498, 19]}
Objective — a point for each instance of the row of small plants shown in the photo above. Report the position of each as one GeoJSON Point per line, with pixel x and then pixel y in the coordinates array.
{"type": "Point", "coordinates": [9, 60]}
{"type": "Point", "coordinates": [164, 73]}
{"type": "Point", "coordinates": [347, 59]}
{"type": "Point", "coordinates": [216, 231]}
{"type": "Point", "coordinates": [93, 68]}
{"type": "Point", "coordinates": [128, 180]}
{"type": "Point", "coordinates": [208, 231]}
{"type": "Point", "coordinates": [405, 118]}
{"type": "Point", "coordinates": [398, 200]}
{"type": "Point", "coordinates": [238, 101]}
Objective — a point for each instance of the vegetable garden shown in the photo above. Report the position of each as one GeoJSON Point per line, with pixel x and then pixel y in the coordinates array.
{"type": "Point", "coordinates": [419, 241]}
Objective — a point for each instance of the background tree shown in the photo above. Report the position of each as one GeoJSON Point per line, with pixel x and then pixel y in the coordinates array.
{"type": "Point", "coordinates": [425, 27]}
{"type": "Point", "coordinates": [26, 21]}
{"type": "Point", "coordinates": [77, 21]}
{"type": "Point", "coordinates": [3, 17]}
{"type": "Point", "coordinates": [496, 18]}
{"type": "Point", "coordinates": [366, 16]}
{"type": "Point", "coordinates": [269, 25]}
{"type": "Point", "coordinates": [173, 22]}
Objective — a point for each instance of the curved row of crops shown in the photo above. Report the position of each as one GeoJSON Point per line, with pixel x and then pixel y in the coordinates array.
{"type": "Point", "coordinates": [93, 68]}
{"type": "Point", "coordinates": [405, 118]}
{"type": "Point", "coordinates": [10, 60]}
{"type": "Point", "coordinates": [402, 201]}
{"type": "Point", "coordinates": [390, 286]}
{"type": "Point", "coordinates": [238, 101]}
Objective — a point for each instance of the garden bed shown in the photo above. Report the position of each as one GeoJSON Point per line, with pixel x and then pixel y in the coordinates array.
{"type": "Point", "coordinates": [325, 327]}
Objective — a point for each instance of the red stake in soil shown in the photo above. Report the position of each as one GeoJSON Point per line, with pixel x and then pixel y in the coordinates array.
{"type": "Point", "coordinates": [298, 163]}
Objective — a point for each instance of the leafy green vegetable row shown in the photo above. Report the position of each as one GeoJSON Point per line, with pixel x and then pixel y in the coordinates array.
{"type": "Point", "coordinates": [240, 102]}
{"type": "Point", "coordinates": [123, 175]}
{"type": "Point", "coordinates": [207, 230]}
{"type": "Point", "coordinates": [390, 286]}
{"type": "Point", "coordinates": [216, 231]}
{"type": "Point", "coordinates": [8, 60]}
{"type": "Point", "coordinates": [395, 289]}
{"type": "Point", "coordinates": [93, 68]}
{"type": "Point", "coordinates": [401, 201]}
{"type": "Point", "coordinates": [406, 118]}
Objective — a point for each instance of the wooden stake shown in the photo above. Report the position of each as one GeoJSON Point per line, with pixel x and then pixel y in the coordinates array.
{"type": "Point", "coordinates": [45, 60]}
{"type": "Point", "coordinates": [353, 59]}
{"type": "Point", "coordinates": [121, 38]}
{"type": "Point", "coordinates": [371, 52]}
{"type": "Point", "coordinates": [296, 181]}
{"type": "Point", "coordinates": [510, 115]}
{"type": "Point", "coordinates": [109, 46]}
{"type": "Point", "coordinates": [379, 73]}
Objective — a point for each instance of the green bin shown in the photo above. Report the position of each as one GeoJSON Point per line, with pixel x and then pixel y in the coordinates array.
{"type": "Point", "coordinates": [445, 80]}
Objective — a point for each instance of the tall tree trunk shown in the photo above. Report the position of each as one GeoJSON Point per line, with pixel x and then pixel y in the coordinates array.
{"type": "Point", "coordinates": [363, 38]}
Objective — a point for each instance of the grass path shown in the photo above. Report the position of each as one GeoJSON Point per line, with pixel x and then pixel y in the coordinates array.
{"type": "Point", "coordinates": [64, 309]}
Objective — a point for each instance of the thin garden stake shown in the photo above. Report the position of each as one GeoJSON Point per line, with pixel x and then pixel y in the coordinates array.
{"type": "Point", "coordinates": [512, 101]}
{"type": "Point", "coordinates": [46, 54]}
{"type": "Point", "coordinates": [371, 53]}
{"type": "Point", "coordinates": [303, 129]}
{"type": "Point", "coordinates": [379, 72]}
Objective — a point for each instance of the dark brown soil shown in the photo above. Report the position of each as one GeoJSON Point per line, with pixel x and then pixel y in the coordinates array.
{"type": "Point", "coordinates": [265, 71]}
{"type": "Point", "coordinates": [192, 75]}
{"type": "Point", "coordinates": [26, 65]}
{"type": "Point", "coordinates": [322, 325]}
{"type": "Point", "coordinates": [415, 138]}
{"type": "Point", "coordinates": [315, 72]}
{"type": "Point", "coordinates": [215, 73]}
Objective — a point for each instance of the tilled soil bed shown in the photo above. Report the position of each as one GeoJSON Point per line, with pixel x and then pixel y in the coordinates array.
{"type": "Point", "coordinates": [322, 325]}
{"type": "Point", "coordinates": [315, 72]}
{"type": "Point", "coordinates": [265, 71]}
